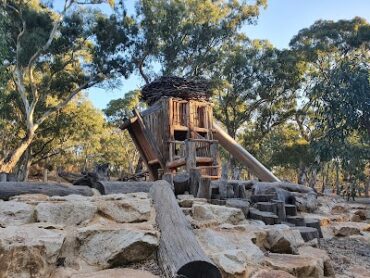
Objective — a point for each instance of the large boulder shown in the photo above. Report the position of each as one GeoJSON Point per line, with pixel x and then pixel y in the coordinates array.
{"type": "Point", "coordinates": [306, 202]}
{"type": "Point", "coordinates": [126, 208]}
{"type": "Point", "coordinates": [345, 231]}
{"type": "Point", "coordinates": [339, 209]}
{"type": "Point", "coordinates": [116, 245]}
{"type": "Point", "coordinates": [28, 251]}
{"type": "Point", "coordinates": [283, 240]}
{"type": "Point", "coordinates": [187, 201]}
{"type": "Point", "coordinates": [316, 253]}
{"type": "Point", "coordinates": [66, 213]}
{"type": "Point", "coordinates": [15, 213]}
{"type": "Point", "coordinates": [231, 250]}
{"type": "Point", "coordinates": [299, 266]}
{"type": "Point", "coordinates": [219, 214]}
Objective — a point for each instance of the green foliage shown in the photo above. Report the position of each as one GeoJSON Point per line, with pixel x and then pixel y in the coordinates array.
{"type": "Point", "coordinates": [120, 109]}
{"type": "Point", "coordinates": [187, 37]}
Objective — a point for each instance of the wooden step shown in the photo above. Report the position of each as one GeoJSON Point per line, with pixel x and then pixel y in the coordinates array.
{"type": "Point", "coordinates": [267, 206]}
{"type": "Point", "coordinates": [307, 233]}
{"type": "Point", "coordinates": [314, 223]}
{"type": "Point", "coordinates": [267, 217]}
{"type": "Point", "coordinates": [262, 198]}
{"type": "Point", "coordinates": [296, 220]}
{"type": "Point", "coordinates": [290, 210]}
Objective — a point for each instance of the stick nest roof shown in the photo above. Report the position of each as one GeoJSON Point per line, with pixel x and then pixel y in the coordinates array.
{"type": "Point", "coordinates": [172, 86]}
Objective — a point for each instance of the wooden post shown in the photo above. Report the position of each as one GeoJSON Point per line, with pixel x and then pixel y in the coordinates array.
{"type": "Point", "coordinates": [3, 177]}
{"type": "Point", "coordinates": [194, 181]}
{"type": "Point", "coordinates": [204, 190]}
{"type": "Point", "coordinates": [179, 254]}
{"type": "Point", "coordinates": [280, 209]}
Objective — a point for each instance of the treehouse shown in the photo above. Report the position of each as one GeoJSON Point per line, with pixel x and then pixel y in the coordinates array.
{"type": "Point", "coordinates": [177, 133]}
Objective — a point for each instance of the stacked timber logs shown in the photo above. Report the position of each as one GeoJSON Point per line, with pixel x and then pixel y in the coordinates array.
{"type": "Point", "coordinates": [172, 86]}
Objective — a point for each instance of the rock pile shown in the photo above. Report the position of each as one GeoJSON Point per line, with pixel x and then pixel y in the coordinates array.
{"type": "Point", "coordinates": [76, 236]}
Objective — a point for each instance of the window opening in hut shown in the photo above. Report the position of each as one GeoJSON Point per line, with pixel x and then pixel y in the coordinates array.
{"type": "Point", "coordinates": [201, 116]}
{"type": "Point", "coordinates": [180, 135]}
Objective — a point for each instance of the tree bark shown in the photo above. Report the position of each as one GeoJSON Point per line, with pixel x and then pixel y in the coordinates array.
{"type": "Point", "coordinates": [179, 252]}
{"type": "Point", "coordinates": [11, 161]}
{"type": "Point", "coordinates": [367, 186]}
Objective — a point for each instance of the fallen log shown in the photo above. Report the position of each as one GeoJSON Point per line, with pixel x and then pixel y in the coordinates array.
{"type": "Point", "coordinates": [291, 187]}
{"type": "Point", "coordinates": [179, 252]}
{"type": "Point", "coordinates": [119, 187]}
{"type": "Point", "coordinates": [10, 189]}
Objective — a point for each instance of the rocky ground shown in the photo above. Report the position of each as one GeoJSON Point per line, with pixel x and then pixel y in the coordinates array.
{"type": "Point", "coordinates": [116, 236]}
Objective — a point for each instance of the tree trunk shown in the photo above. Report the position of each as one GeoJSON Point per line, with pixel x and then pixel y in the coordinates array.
{"type": "Point", "coordinates": [337, 187]}
{"type": "Point", "coordinates": [367, 186]}
{"type": "Point", "coordinates": [301, 173]}
{"type": "Point", "coordinates": [8, 164]}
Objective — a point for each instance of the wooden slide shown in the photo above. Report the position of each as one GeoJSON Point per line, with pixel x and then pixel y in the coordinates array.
{"type": "Point", "coordinates": [243, 156]}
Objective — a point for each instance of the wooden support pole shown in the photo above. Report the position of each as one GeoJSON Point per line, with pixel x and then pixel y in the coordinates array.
{"type": "Point", "coordinates": [204, 190]}
{"type": "Point", "coordinates": [179, 254]}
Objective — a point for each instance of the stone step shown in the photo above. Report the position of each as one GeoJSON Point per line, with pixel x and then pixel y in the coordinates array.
{"type": "Point", "coordinates": [267, 217]}
{"type": "Point", "coordinates": [290, 210]}
{"type": "Point", "coordinates": [307, 233]}
{"type": "Point", "coordinates": [296, 220]}
{"type": "Point", "coordinates": [314, 223]}
{"type": "Point", "coordinates": [262, 198]}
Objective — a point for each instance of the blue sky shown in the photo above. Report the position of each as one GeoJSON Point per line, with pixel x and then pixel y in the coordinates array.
{"type": "Point", "coordinates": [278, 23]}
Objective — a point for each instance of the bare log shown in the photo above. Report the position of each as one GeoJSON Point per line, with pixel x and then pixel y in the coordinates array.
{"type": "Point", "coordinates": [291, 187]}
{"type": "Point", "coordinates": [9, 189]}
{"type": "Point", "coordinates": [117, 187]}
{"type": "Point", "coordinates": [179, 252]}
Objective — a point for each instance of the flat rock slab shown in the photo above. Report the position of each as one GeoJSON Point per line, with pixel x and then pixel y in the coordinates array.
{"type": "Point", "coordinates": [126, 208]}
{"type": "Point", "coordinates": [66, 213]}
{"type": "Point", "coordinates": [15, 213]}
{"type": "Point", "coordinates": [116, 273]}
{"type": "Point", "coordinates": [221, 214]}
{"type": "Point", "coordinates": [269, 273]}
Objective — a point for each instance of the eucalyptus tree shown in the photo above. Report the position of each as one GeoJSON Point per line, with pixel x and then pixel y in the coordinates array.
{"type": "Point", "coordinates": [187, 37]}
{"type": "Point", "coordinates": [335, 59]}
{"type": "Point", "coordinates": [55, 54]}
